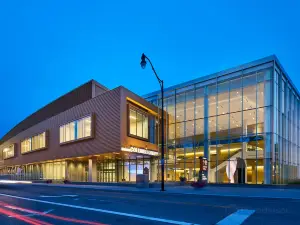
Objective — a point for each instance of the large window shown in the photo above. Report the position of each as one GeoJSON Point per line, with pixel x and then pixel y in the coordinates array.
{"type": "Point", "coordinates": [9, 152]}
{"type": "Point", "coordinates": [34, 143]}
{"type": "Point", "coordinates": [138, 123]}
{"type": "Point", "coordinates": [76, 130]}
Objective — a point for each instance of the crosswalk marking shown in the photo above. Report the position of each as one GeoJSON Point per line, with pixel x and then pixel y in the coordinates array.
{"type": "Point", "coordinates": [236, 218]}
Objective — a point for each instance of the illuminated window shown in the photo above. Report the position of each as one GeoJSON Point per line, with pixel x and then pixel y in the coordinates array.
{"type": "Point", "coordinates": [84, 128]}
{"type": "Point", "coordinates": [76, 130]}
{"type": "Point", "coordinates": [9, 152]}
{"type": "Point", "coordinates": [34, 143]}
{"type": "Point", "coordinates": [26, 145]}
{"type": "Point", "coordinates": [138, 123]}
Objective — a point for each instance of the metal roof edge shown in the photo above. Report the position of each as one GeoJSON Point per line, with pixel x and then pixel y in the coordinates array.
{"type": "Point", "coordinates": [286, 75]}
{"type": "Point", "coordinates": [217, 74]}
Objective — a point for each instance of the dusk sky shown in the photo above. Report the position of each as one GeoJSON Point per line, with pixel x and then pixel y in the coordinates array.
{"type": "Point", "coordinates": [48, 48]}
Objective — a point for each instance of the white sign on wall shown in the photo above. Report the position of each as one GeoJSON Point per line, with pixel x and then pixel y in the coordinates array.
{"type": "Point", "coordinates": [140, 151]}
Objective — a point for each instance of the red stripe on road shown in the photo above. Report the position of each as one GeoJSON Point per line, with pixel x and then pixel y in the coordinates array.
{"type": "Point", "coordinates": [23, 218]}
{"type": "Point", "coordinates": [52, 216]}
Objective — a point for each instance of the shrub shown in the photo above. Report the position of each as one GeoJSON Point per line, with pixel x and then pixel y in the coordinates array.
{"type": "Point", "coordinates": [198, 184]}
{"type": "Point", "coordinates": [182, 179]}
{"type": "Point", "coordinates": [295, 181]}
{"type": "Point", "coordinates": [66, 181]}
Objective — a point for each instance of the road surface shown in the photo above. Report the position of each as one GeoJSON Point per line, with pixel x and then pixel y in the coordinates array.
{"type": "Point", "coordinates": [27, 204]}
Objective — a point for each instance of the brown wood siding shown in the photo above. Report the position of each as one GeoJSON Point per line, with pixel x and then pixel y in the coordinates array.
{"type": "Point", "coordinates": [65, 102]}
{"type": "Point", "coordinates": [127, 141]}
{"type": "Point", "coordinates": [106, 109]}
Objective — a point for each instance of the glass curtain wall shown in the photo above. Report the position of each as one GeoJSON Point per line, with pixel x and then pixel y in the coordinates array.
{"type": "Point", "coordinates": [230, 121]}
{"type": "Point", "coordinates": [286, 157]}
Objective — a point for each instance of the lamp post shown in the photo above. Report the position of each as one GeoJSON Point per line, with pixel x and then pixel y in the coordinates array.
{"type": "Point", "coordinates": [161, 83]}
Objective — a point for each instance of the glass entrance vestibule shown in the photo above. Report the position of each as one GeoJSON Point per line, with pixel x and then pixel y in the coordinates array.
{"type": "Point", "coordinates": [125, 170]}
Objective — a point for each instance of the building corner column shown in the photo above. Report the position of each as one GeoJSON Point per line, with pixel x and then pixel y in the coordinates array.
{"type": "Point", "coordinates": [268, 117]}
{"type": "Point", "coordinates": [92, 173]}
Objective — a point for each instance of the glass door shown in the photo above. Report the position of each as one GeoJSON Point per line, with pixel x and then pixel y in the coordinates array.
{"type": "Point", "coordinates": [106, 171]}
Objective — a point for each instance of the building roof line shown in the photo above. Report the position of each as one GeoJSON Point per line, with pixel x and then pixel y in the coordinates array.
{"type": "Point", "coordinates": [6, 136]}
{"type": "Point", "coordinates": [226, 72]}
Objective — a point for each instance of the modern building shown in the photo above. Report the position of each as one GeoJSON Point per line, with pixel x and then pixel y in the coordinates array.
{"type": "Point", "coordinates": [244, 120]}
{"type": "Point", "coordinates": [89, 134]}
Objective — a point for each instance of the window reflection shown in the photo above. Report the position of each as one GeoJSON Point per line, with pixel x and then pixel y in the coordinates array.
{"type": "Point", "coordinates": [34, 143]}
{"type": "Point", "coordinates": [236, 95]}
{"type": "Point", "coordinates": [75, 130]}
{"type": "Point", "coordinates": [212, 100]}
{"type": "Point", "coordinates": [236, 124]}
{"type": "Point", "coordinates": [132, 119]}
{"type": "Point", "coordinates": [138, 123]}
{"type": "Point", "coordinates": [199, 111]}
{"type": "Point", "coordinates": [190, 105]}
{"type": "Point", "coordinates": [170, 103]}
{"type": "Point", "coordinates": [8, 152]}
{"type": "Point", "coordinates": [223, 98]}
{"type": "Point", "coordinates": [180, 104]}
{"type": "Point", "coordinates": [249, 122]}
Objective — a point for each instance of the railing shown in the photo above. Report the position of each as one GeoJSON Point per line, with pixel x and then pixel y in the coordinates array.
{"type": "Point", "coordinates": [23, 176]}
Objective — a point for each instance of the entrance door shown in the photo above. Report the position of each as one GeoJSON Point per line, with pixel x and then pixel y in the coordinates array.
{"type": "Point", "coordinates": [106, 172]}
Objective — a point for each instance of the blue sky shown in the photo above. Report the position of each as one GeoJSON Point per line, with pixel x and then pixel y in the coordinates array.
{"type": "Point", "coordinates": [48, 48]}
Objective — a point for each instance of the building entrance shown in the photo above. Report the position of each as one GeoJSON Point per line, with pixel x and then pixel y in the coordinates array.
{"type": "Point", "coordinates": [106, 171]}
{"type": "Point", "coordinates": [124, 170]}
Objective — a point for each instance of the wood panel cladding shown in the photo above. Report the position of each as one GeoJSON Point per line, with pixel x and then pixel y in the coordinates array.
{"type": "Point", "coordinates": [63, 103]}
{"type": "Point", "coordinates": [109, 127]}
{"type": "Point", "coordinates": [105, 109]}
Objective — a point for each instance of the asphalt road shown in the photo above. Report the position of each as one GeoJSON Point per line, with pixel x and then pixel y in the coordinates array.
{"type": "Point", "coordinates": [26, 204]}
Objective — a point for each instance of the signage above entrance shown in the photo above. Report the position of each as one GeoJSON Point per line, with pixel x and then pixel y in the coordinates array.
{"type": "Point", "coordinates": [139, 150]}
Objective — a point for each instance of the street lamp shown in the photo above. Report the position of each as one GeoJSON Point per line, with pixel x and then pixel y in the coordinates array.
{"type": "Point", "coordinates": [161, 83]}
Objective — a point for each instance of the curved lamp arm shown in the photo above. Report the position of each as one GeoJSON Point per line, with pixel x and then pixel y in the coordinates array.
{"type": "Point", "coordinates": [143, 61]}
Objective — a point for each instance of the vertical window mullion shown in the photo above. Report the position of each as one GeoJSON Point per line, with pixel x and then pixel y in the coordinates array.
{"type": "Point", "coordinates": [75, 130]}
{"type": "Point", "coordinates": [64, 133]}
{"type": "Point", "coordinates": [143, 118]}
{"type": "Point", "coordinates": [256, 159]}
{"type": "Point", "coordinates": [136, 123]}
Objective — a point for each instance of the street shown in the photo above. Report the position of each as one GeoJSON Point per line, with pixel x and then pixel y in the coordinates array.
{"type": "Point", "coordinates": [27, 204]}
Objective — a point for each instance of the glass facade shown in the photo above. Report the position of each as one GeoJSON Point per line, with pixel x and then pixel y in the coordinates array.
{"type": "Point", "coordinates": [76, 130]}
{"type": "Point", "coordinates": [8, 152]}
{"type": "Point", "coordinates": [34, 143]}
{"type": "Point", "coordinates": [138, 123]}
{"type": "Point", "coordinates": [245, 123]}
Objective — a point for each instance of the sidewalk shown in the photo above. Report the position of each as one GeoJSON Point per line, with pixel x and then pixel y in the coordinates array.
{"type": "Point", "coordinates": [244, 192]}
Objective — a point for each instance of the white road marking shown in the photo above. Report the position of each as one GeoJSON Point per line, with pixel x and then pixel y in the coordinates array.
{"type": "Point", "coordinates": [57, 196]}
{"type": "Point", "coordinates": [31, 214]}
{"type": "Point", "coordinates": [102, 210]}
{"type": "Point", "coordinates": [236, 218]}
